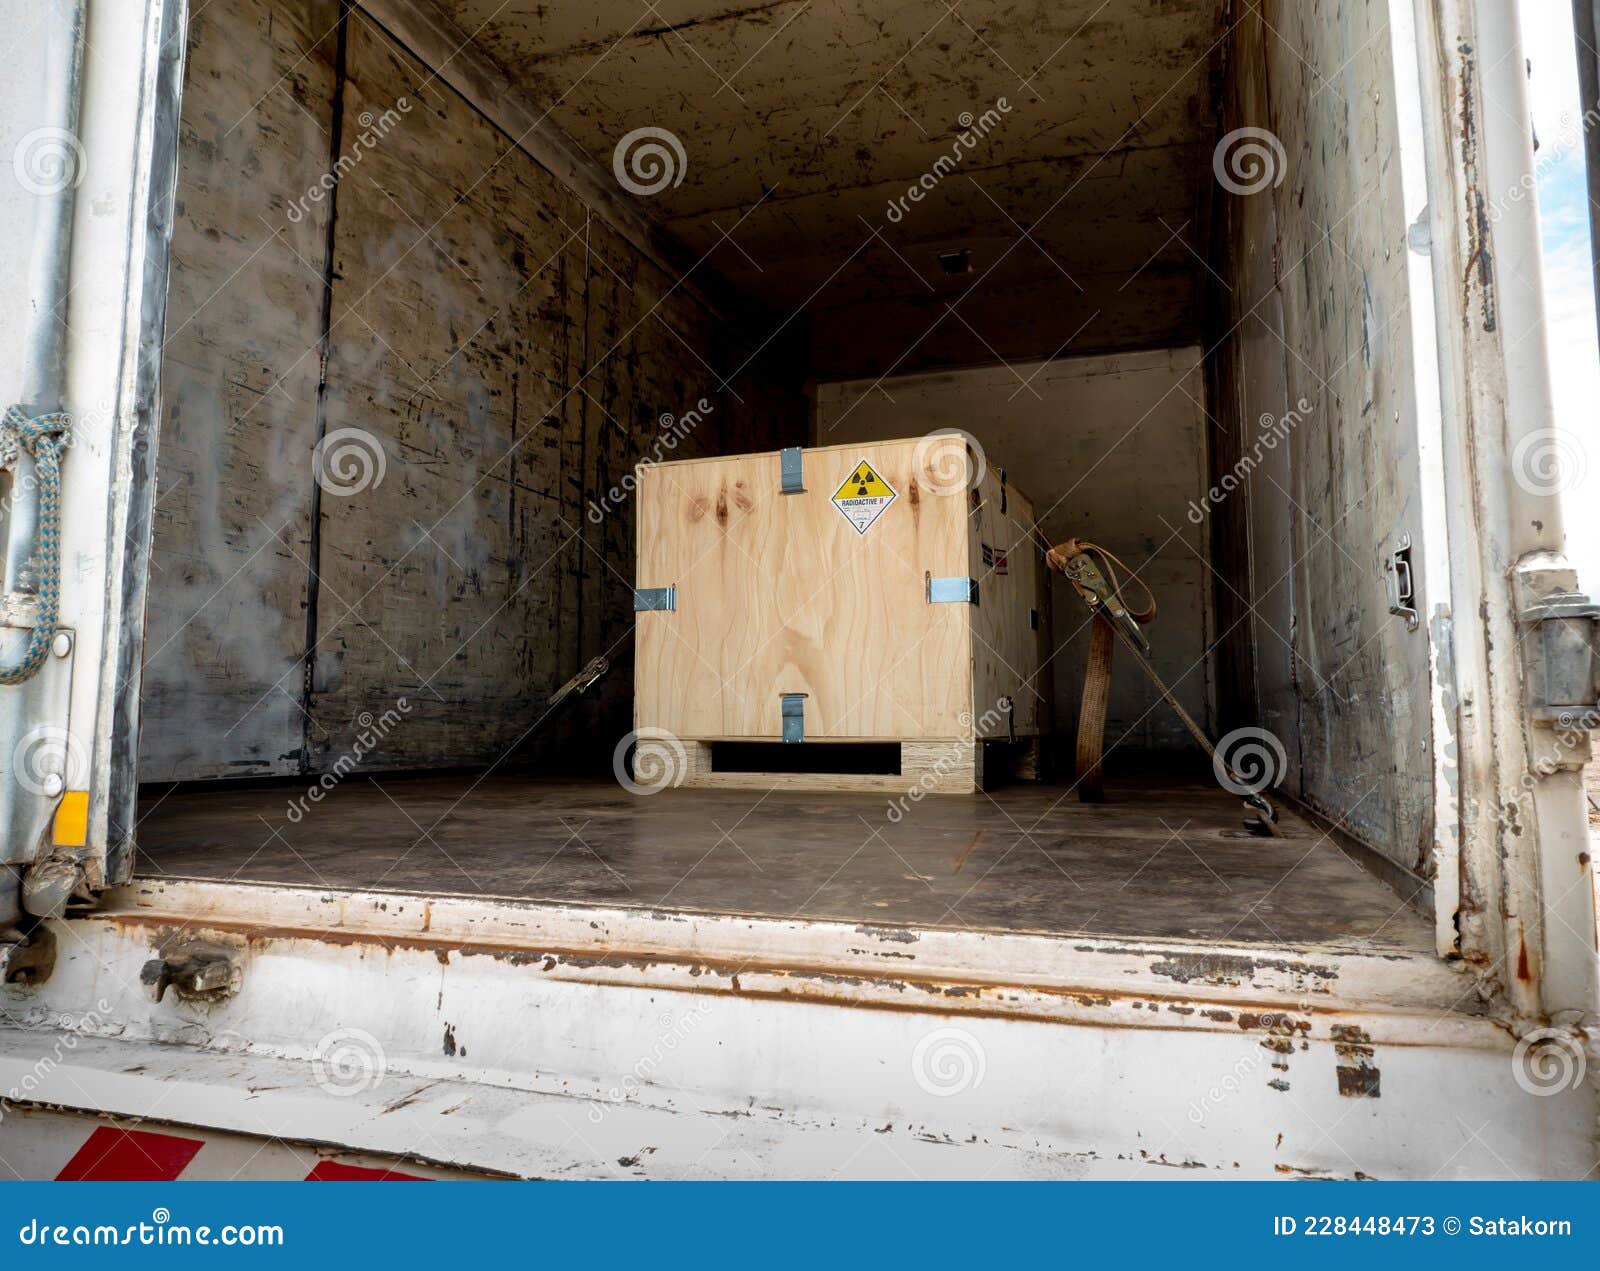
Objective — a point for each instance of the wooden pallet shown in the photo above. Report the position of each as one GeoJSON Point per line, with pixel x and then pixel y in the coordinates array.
{"type": "Point", "coordinates": [933, 767]}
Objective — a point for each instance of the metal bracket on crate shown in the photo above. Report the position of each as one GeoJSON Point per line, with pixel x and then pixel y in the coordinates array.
{"type": "Point", "coordinates": [791, 470]}
{"type": "Point", "coordinates": [952, 591]}
{"type": "Point", "coordinates": [655, 599]}
{"type": "Point", "coordinates": [794, 716]}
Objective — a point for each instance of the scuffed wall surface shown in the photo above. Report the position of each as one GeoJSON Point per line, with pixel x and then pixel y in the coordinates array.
{"type": "Point", "coordinates": [1314, 311]}
{"type": "Point", "coordinates": [226, 628]}
{"type": "Point", "coordinates": [504, 359]}
{"type": "Point", "coordinates": [1111, 449]}
{"type": "Point", "coordinates": [452, 348]}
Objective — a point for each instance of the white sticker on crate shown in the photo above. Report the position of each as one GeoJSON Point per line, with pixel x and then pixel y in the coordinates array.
{"type": "Point", "coordinates": [862, 498]}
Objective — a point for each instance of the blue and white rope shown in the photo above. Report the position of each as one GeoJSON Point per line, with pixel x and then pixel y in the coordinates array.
{"type": "Point", "coordinates": [44, 437]}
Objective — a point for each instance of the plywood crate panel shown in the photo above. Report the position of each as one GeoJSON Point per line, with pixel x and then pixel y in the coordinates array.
{"type": "Point", "coordinates": [779, 594]}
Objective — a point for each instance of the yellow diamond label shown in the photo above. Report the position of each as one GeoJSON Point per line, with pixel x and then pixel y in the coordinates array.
{"type": "Point", "coordinates": [863, 496]}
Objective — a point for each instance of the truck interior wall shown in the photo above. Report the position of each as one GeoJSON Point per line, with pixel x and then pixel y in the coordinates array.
{"type": "Point", "coordinates": [1312, 404]}
{"type": "Point", "coordinates": [1111, 449]}
{"type": "Point", "coordinates": [362, 258]}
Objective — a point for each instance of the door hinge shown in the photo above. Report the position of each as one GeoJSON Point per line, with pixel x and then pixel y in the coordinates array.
{"type": "Point", "coordinates": [1402, 582]}
{"type": "Point", "coordinates": [1563, 670]}
{"type": "Point", "coordinates": [655, 599]}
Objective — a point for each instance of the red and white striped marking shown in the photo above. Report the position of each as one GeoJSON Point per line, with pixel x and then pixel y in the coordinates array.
{"type": "Point", "coordinates": [75, 1147]}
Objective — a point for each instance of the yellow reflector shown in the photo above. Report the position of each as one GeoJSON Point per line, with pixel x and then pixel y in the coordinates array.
{"type": "Point", "coordinates": [72, 819]}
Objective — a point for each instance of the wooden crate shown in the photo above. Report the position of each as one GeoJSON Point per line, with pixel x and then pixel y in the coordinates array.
{"type": "Point", "coordinates": [901, 592]}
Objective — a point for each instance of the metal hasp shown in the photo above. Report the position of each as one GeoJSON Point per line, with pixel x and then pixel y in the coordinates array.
{"type": "Point", "coordinates": [655, 599]}
{"type": "Point", "coordinates": [791, 470]}
{"type": "Point", "coordinates": [1402, 583]}
{"type": "Point", "coordinates": [794, 716]}
{"type": "Point", "coordinates": [952, 591]}
{"type": "Point", "coordinates": [1563, 670]}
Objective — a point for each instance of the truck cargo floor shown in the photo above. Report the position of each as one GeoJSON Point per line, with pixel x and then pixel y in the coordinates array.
{"type": "Point", "coordinates": [1166, 858]}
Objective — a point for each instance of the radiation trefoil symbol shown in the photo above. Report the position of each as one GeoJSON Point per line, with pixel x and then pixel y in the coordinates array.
{"type": "Point", "coordinates": [862, 498]}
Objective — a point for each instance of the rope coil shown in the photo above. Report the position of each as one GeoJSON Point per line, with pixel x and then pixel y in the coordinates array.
{"type": "Point", "coordinates": [44, 437]}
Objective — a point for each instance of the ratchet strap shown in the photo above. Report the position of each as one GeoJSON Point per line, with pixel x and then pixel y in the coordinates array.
{"type": "Point", "coordinates": [1093, 571]}
{"type": "Point", "coordinates": [1092, 711]}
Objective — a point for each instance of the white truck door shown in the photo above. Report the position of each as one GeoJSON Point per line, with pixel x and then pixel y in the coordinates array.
{"type": "Point", "coordinates": [1523, 617]}
{"type": "Point", "coordinates": [88, 147]}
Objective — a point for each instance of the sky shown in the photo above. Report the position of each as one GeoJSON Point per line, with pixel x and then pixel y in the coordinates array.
{"type": "Point", "coordinates": [1564, 210]}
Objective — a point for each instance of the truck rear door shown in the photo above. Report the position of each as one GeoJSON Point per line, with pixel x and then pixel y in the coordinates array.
{"type": "Point", "coordinates": [88, 124]}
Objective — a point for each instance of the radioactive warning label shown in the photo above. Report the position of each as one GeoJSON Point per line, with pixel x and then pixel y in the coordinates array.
{"type": "Point", "coordinates": [863, 496]}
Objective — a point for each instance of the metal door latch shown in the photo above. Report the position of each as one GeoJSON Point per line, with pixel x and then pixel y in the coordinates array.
{"type": "Point", "coordinates": [194, 970]}
{"type": "Point", "coordinates": [1563, 669]}
{"type": "Point", "coordinates": [1402, 582]}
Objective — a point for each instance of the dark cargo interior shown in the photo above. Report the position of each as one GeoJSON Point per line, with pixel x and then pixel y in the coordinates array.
{"type": "Point", "coordinates": [440, 283]}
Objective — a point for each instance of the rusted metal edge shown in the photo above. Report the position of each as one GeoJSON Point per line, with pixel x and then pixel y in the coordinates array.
{"type": "Point", "coordinates": [1330, 978]}
{"type": "Point", "coordinates": [1173, 995]}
